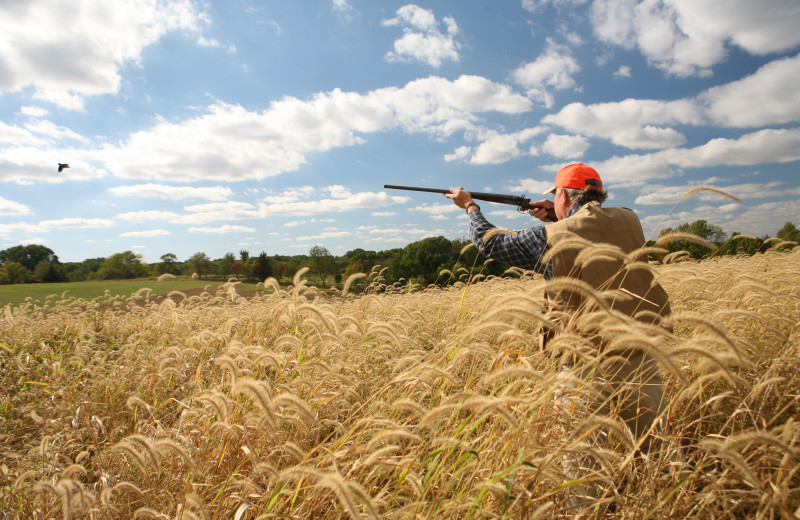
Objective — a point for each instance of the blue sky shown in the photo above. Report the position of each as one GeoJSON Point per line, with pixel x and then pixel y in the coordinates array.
{"type": "Point", "coordinates": [272, 126]}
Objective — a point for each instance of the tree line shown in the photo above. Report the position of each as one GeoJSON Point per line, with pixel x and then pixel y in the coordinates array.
{"type": "Point", "coordinates": [421, 262]}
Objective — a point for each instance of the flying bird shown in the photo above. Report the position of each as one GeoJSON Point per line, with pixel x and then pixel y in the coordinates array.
{"type": "Point", "coordinates": [61, 166]}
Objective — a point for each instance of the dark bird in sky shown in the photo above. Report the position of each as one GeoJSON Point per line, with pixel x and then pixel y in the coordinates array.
{"type": "Point", "coordinates": [61, 166]}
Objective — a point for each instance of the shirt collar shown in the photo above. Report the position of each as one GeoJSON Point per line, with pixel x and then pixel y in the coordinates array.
{"type": "Point", "coordinates": [574, 209]}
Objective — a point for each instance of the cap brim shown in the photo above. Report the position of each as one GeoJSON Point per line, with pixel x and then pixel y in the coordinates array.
{"type": "Point", "coordinates": [550, 191]}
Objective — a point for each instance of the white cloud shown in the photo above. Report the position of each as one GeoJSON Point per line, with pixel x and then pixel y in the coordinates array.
{"type": "Point", "coordinates": [688, 37]}
{"type": "Point", "coordinates": [759, 220]}
{"type": "Point", "coordinates": [554, 69]}
{"type": "Point", "coordinates": [437, 209]}
{"type": "Point", "coordinates": [9, 207]}
{"type": "Point", "coordinates": [160, 191]}
{"type": "Point", "coordinates": [144, 216]}
{"type": "Point", "coordinates": [146, 234]}
{"type": "Point", "coordinates": [76, 223]}
{"type": "Point", "coordinates": [221, 230]}
{"type": "Point", "coordinates": [631, 122]}
{"type": "Point", "coordinates": [231, 143]}
{"type": "Point", "coordinates": [658, 194]}
{"type": "Point", "coordinates": [534, 187]}
{"type": "Point", "coordinates": [68, 50]}
{"type": "Point", "coordinates": [566, 146]}
{"type": "Point", "coordinates": [763, 146]}
{"type": "Point", "coordinates": [422, 39]}
{"type": "Point", "coordinates": [767, 97]}
{"type": "Point", "coordinates": [623, 71]}
{"type": "Point", "coordinates": [496, 148]}
{"type": "Point", "coordinates": [32, 111]}
{"type": "Point", "coordinates": [326, 235]}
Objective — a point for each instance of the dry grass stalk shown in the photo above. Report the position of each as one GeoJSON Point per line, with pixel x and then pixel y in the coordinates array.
{"type": "Point", "coordinates": [437, 404]}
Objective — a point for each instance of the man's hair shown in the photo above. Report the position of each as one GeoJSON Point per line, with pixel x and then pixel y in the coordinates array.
{"type": "Point", "coordinates": [589, 194]}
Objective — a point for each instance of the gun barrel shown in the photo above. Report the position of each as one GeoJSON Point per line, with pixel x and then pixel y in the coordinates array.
{"type": "Point", "coordinates": [491, 197]}
{"type": "Point", "coordinates": [414, 188]}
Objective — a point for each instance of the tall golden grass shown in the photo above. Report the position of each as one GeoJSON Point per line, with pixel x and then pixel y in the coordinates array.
{"type": "Point", "coordinates": [398, 404]}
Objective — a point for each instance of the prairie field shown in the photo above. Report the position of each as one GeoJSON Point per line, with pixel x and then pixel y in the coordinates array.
{"type": "Point", "coordinates": [385, 403]}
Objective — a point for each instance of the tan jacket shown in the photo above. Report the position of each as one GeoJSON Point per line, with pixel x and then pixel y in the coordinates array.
{"type": "Point", "coordinates": [637, 293]}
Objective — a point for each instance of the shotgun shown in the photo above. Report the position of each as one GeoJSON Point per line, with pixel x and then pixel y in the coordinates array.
{"type": "Point", "coordinates": [522, 203]}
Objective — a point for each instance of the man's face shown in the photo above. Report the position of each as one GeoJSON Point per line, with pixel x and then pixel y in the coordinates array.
{"type": "Point", "coordinates": [561, 203]}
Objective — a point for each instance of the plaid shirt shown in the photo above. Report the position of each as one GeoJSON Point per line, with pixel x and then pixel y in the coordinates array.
{"type": "Point", "coordinates": [525, 249]}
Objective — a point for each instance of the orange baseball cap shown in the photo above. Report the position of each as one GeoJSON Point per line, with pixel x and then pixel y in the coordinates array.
{"type": "Point", "coordinates": [576, 176]}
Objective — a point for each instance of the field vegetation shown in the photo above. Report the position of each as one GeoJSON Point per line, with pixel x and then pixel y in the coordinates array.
{"type": "Point", "coordinates": [378, 402]}
{"type": "Point", "coordinates": [42, 294]}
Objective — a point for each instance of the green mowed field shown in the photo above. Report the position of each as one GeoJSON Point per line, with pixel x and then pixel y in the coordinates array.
{"type": "Point", "coordinates": [40, 292]}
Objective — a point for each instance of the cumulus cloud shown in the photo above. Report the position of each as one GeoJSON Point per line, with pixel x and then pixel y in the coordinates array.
{"type": "Point", "coordinates": [146, 234]}
{"type": "Point", "coordinates": [160, 191]}
{"type": "Point", "coordinates": [423, 39]}
{"type": "Point", "coordinates": [221, 230]}
{"type": "Point", "coordinates": [761, 219]}
{"type": "Point", "coordinates": [567, 146]}
{"type": "Point", "coordinates": [660, 194]}
{"type": "Point", "coordinates": [231, 143]}
{"type": "Point", "coordinates": [553, 69]}
{"type": "Point", "coordinates": [9, 207]}
{"type": "Point", "coordinates": [688, 37]}
{"type": "Point", "coordinates": [75, 223]}
{"type": "Point", "coordinates": [769, 96]}
{"type": "Point", "coordinates": [496, 147]}
{"type": "Point", "coordinates": [766, 97]}
{"type": "Point", "coordinates": [68, 50]}
{"type": "Point", "coordinates": [632, 123]}
{"type": "Point", "coordinates": [623, 71]}
{"type": "Point", "coordinates": [144, 216]}
{"type": "Point", "coordinates": [763, 146]}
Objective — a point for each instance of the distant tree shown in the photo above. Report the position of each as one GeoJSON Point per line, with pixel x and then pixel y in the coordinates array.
{"type": "Point", "coordinates": [225, 265]}
{"type": "Point", "coordinates": [79, 271]}
{"type": "Point", "coordinates": [13, 272]}
{"type": "Point", "coordinates": [262, 267]}
{"type": "Point", "coordinates": [740, 244]}
{"type": "Point", "coordinates": [321, 262]}
{"type": "Point", "coordinates": [237, 268]}
{"type": "Point", "coordinates": [169, 264]}
{"type": "Point", "coordinates": [702, 229]}
{"type": "Point", "coordinates": [122, 266]}
{"type": "Point", "coordinates": [200, 263]}
{"type": "Point", "coordinates": [296, 263]}
{"type": "Point", "coordinates": [789, 232]}
{"type": "Point", "coordinates": [280, 270]}
{"type": "Point", "coordinates": [425, 258]}
{"type": "Point", "coordinates": [49, 272]}
{"type": "Point", "coordinates": [29, 256]}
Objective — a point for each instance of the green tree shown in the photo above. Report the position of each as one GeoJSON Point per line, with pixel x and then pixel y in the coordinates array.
{"type": "Point", "coordinates": [29, 256]}
{"type": "Point", "coordinates": [200, 263]}
{"type": "Point", "coordinates": [701, 228]}
{"type": "Point", "coordinates": [262, 267]}
{"type": "Point", "coordinates": [225, 265]}
{"type": "Point", "coordinates": [49, 272]}
{"type": "Point", "coordinates": [13, 272]}
{"type": "Point", "coordinates": [122, 266]}
{"type": "Point", "coordinates": [321, 262]}
{"type": "Point", "coordinates": [789, 232]}
{"type": "Point", "coordinates": [425, 258]}
{"type": "Point", "coordinates": [80, 271]}
{"type": "Point", "coordinates": [169, 264]}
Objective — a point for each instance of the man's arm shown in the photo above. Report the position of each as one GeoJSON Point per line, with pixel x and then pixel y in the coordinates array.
{"type": "Point", "coordinates": [524, 248]}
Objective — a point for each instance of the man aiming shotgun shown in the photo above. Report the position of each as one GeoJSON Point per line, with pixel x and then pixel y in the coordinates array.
{"type": "Point", "coordinates": [577, 211]}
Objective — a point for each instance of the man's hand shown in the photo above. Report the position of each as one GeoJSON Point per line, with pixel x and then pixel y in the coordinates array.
{"type": "Point", "coordinates": [460, 197]}
{"type": "Point", "coordinates": [540, 211]}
